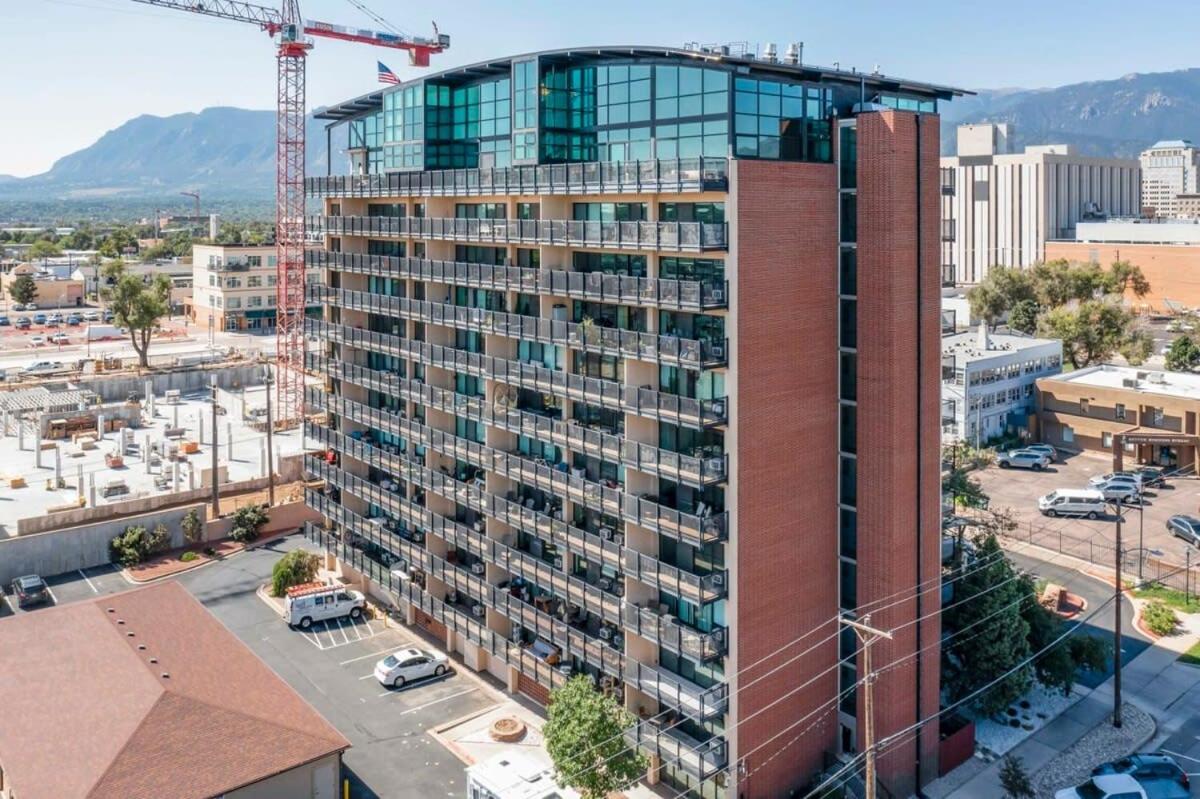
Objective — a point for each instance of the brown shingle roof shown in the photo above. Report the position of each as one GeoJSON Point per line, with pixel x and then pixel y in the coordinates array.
{"type": "Point", "coordinates": [88, 715]}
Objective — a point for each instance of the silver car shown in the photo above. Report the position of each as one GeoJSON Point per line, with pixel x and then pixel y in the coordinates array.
{"type": "Point", "coordinates": [1022, 459]}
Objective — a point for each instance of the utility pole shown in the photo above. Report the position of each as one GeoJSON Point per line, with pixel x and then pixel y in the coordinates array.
{"type": "Point", "coordinates": [216, 485]}
{"type": "Point", "coordinates": [268, 380]}
{"type": "Point", "coordinates": [1117, 626]}
{"type": "Point", "coordinates": [868, 635]}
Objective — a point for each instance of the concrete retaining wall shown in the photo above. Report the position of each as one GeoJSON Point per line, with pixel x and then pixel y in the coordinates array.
{"type": "Point", "coordinates": [82, 547]}
{"type": "Point", "coordinates": [116, 388]}
{"type": "Point", "coordinates": [287, 516]}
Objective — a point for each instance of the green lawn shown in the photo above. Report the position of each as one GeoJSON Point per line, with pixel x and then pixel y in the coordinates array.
{"type": "Point", "coordinates": [1171, 597]}
{"type": "Point", "coordinates": [1192, 656]}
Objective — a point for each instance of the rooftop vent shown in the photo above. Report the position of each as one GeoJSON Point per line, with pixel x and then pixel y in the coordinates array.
{"type": "Point", "coordinates": [795, 53]}
{"type": "Point", "coordinates": [769, 53]}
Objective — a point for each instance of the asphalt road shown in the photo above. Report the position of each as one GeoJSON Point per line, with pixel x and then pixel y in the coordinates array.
{"type": "Point", "coordinates": [1095, 593]}
{"type": "Point", "coordinates": [331, 667]}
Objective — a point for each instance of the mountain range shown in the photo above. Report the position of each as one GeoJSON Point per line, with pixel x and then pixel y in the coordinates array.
{"type": "Point", "coordinates": [230, 152]}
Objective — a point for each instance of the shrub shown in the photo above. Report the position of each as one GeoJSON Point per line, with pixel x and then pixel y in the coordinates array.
{"type": "Point", "coordinates": [188, 557]}
{"type": "Point", "coordinates": [1159, 619]}
{"type": "Point", "coordinates": [136, 544]}
{"type": "Point", "coordinates": [192, 527]}
{"type": "Point", "coordinates": [247, 521]}
{"type": "Point", "coordinates": [294, 568]}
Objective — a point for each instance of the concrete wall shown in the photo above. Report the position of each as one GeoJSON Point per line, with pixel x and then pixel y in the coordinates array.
{"type": "Point", "coordinates": [318, 780]}
{"type": "Point", "coordinates": [288, 516]}
{"type": "Point", "coordinates": [117, 388]}
{"type": "Point", "coordinates": [82, 547]}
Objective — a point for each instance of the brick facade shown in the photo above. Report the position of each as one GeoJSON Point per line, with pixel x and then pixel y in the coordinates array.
{"type": "Point", "coordinates": [1173, 270]}
{"type": "Point", "coordinates": [785, 431]}
{"type": "Point", "coordinates": [898, 423]}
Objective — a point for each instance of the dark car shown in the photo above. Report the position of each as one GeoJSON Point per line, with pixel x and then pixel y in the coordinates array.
{"type": "Point", "coordinates": [1159, 774]}
{"type": "Point", "coordinates": [30, 590]}
{"type": "Point", "coordinates": [1152, 476]}
{"type": "Point", "coordinates": [1185, 527]}
{"type": "Point", "coordinates": [23, 323]}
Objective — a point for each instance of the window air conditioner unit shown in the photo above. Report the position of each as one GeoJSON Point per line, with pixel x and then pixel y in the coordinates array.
{"type": "Point", "coordinates": [718, 580]}
{"type": "Point", "coordinates": [478, 611]}
{"type": "Point", "coordinates": [606, 533]}
{"type": "Point", "coordinates": [478, 568]}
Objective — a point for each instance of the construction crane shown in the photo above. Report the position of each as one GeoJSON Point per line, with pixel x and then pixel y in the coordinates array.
{"type": "Point", "coordinates": [195, 195]}
{"type": "Point", "coordinates": [293, 45]}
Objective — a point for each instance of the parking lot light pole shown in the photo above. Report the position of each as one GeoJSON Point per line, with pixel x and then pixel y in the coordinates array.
{"type": "Point", "coordinates": [1117, 624]}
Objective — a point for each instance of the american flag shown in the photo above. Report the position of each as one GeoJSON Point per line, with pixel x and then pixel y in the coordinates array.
{"type": "Point", "coordinates": [385, 74]}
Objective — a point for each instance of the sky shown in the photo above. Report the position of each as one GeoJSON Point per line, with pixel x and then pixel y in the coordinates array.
{"type": "Point", "coordinates": [75, 69]}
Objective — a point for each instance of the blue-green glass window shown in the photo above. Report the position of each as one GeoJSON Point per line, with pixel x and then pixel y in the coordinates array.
{"type": "Point", "coordinates": [469, 429]}
{"type": "Point", "coordinates": [525, 95]}
{"type": "Point", "coordinates": [781, 121]}
{"type": "Point", "coordinates": [610, 212]}
{"type": "Point", "coordinates": [919, 104]}
{"type": "Point", "coordinates": [610, 263]}
{"type": "Point", "coordinates": [469, 253]}
{"type": "Point", "coordinates": [392, 248]}
{"type": "Point", "coordinates": [524, 146]}
{"type": "Point", "coordinates": [546, 355]}
{"type": "Point", "coordinates": [690, 92]}
{"type": "Point", "coordinates": [708, 138]}
{"type": "Point", "coordinates": [701, 269]}
{"type": "Point", "coordinates": [623, 144]}
{"type": "Point", "coordinates": [713, 213]}
{"type": "Point", "coordinates": [848, 156]}
{"type": "Point", "coordinates": [470, 385]}
{"type": "Point", "coordinates": [532, 448]}
{"type": "Point", "coordinates": [403, 114]}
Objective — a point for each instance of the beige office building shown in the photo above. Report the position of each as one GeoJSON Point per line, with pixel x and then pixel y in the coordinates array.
{"type": "Point", "coordinates": [1000, 207]}
{"type": "Point", "coordinates": [1169, 169]}
{"type": "Point", "coordinates": [235, 287]}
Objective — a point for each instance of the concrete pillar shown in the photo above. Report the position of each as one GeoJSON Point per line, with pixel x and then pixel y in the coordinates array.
{"type": "Point", "coordinates": [57, 466]}
{"type": "Point", "coordinates": [200, 422]}
{"type": "Point", "coordinates": [653, 770]}
{"type": "Point", "coordinates": [100, 427]}
{"type": "Point", "coordinates": [79, 481]}
{"type": "Point", "coordinates": [449, 640]}
{"type": "Point", "coordinates": [175, 477]}
{"type": "Point", "coordinates": [191, 476]}
{"type": "Point", "coordinates": [175, 415]}
{"type": "Point", "coordinates": [37, 443]}
{"type": "Point", "coordinates": [20, 436]}
{"type": "Point", "coordinates": [146, 452]}
{"type": "Point", "coordinates": [229, 440]}
{"type": "Point", "coordinates": [262, 458]}
{"type": "Point", "coordinates": [410, 614]}
{"type": "Point", "coordinates": [150, 397]}
{"type": "Point", "coordinates": [513, 676]}
{"type": "Point", "coordinates": [91, 490]}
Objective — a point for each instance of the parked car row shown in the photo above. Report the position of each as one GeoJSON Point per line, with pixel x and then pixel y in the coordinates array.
{"type": "Point", "coordinates": [1126, 488]}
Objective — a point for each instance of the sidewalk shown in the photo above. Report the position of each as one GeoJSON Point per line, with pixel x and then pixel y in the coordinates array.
{"type": "Point", "coordinates": [1153, 681]}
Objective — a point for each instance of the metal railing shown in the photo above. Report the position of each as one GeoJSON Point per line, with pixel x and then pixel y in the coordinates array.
{"type": "Point", "coordinates": [640, 400]}
{"type": "Point", "coordinates": [673, 634]}
{"type": "Point", "coordinates": [682, 236]}
{"type": "Point", "coordinates": [644, 291]}
{"type": "Point", "coordinates": [696, 588]}
{"type": "Point", "coordinates": [694, 353]}
{"type": "Point", "coordinates": [677, 692]}
{"type": "Point", "coordinates": [947, 180]}
{"type": "Point", "coordinates": [701, 759]}
{"type": "Point", "coordinates": [595, 177]}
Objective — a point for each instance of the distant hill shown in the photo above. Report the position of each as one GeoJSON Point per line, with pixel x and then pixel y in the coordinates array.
{"type": "Point", "coordinates": [220, 152]}
{"type": "Point", "coordinates": [1118, 117]}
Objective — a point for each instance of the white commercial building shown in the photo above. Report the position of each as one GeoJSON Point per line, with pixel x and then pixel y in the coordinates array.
{"type": "Point", "coordinates": [1000, 207]}
{"type": "Point", "coordinates": [988, 382]}
{"type": "Point", "coordinates": [514, 776]}
{"type": "Point", "coordinates": [1169, 169]}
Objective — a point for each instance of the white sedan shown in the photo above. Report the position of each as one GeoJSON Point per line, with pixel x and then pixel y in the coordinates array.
{"type": "Point", "coordinates": [407, 665]}
{"type": "Point", "coordinates": [1105, 786]}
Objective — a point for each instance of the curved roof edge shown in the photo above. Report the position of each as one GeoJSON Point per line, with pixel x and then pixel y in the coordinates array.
{"type": "Point", "coordinates": [340, 112]}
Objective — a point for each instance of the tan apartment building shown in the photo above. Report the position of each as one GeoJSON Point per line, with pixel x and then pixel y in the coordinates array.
{"type": "Point", "coordinates": [1139, 415]}
{"type": "Point", "coordinates": [623, 382]}
{"type": "Point", "coordinates": [1166, 250]}
{"type": "Point", "coordinates": [234, 288]}
{"type": "Point", "coordinates": [53, 291]}
{"type": "Point", "coordinates": [145, 694]}
{"type": "Point", "coordinates": [1001, 207]}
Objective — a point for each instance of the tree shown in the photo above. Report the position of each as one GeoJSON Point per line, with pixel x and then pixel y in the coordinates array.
{"type": "Point", "coordinates": [1091, 331]}
{"type": "Point", "coordinates": [135, 306]}
{"type": "Point", "coordinates": [1183, 354]}
{"type": "Point", "coordinates": [1023, 316]}
{"type": "Point", "coordinates": [1123, 277]}
{"type": "Point", "coordinates": [247, 521]}
{"type": "Point", "coordinates": [964, 489]}
{"type": "Point", "coordinates": [136, 544]}
{"type": "Point", "coordinates": [1137, 347]}
{"type": "Point", "coordinates": [117, 242]}
{"type": "Point", "coordinates": [43, 249]}
{"type": "Point", "coordinates": [997, 293]}
{"type": "Point", "coordinates": [1015, 779]}
{"type": "Point", "coordinates": [987, 599]}
{"type": "Point", "coordinates": [192, 527]}
{"type": "Point", "coordinates": [584, 736]}
{"type": "Point", "coordinates": [23, 289]}
{"type": "Point", "coordinates": [295, 568]}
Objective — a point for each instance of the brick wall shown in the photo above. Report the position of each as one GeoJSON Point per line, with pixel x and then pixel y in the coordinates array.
{"type": "Point", "coordinates": [785, 407]}
{"type": "Point", "coordinates": [898, 428]}
{"type": "Point", "coordinates": [1172, 270]}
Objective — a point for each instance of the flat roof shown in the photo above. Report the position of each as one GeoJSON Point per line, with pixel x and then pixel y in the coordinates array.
{"type": "Point", "coordinates": [965, 346]}
{"type": "Point", "coordinates": [1142, 231]}
{"type": "Point", "coordinates": [339, 112]}
{"type": "Point", "coordinates": [518, 776]}
{"type": "Point", "coordinates": [1148, 381]}
{"type": "Point", "coordinates": [141, 695]}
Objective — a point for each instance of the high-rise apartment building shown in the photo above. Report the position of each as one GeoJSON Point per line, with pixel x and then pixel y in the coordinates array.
{"type": "Point", "coordinates": [1001, 207]}
{"type": "Point", "coordinates": [631, 364]}
{"type": "Point", "coordinates": [1169, 169]}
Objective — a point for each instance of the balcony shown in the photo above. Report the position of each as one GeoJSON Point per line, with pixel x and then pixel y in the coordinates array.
{"type": "Point", "coordinates": [688, 295]}
{"type": "Point", "coordinates": [643, 401]}
{"type": "Point", "coordinates": [949, 275]}
{"type": "Point", "coordinates": [671, 236]}
{"type": "Point", "coordinates": [947, 180]}
{"type": "Point", "coordinates": [688, 353]}
{"type": "Point", "coordinates": [695, 588]}
{"type": "Point", "coordinates": [666, 175]}
{"type": "Point", "coordinates": [701, 759]}
{"type": "Point", "coordinates": [947, 230]}
{"type": "Point", "coordinates": [677, 692]}
{"type": "Point", "coordinates": [667, 630]}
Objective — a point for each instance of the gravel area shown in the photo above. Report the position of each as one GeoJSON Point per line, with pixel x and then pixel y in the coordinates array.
{"type": "Point", "coordinates": [1101, 745]}
{"type": "Point", "coordinates": [994, 738]}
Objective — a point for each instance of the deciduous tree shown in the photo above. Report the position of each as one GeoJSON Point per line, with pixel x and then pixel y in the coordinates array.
{"type": "Point", "coordinates": [584, 735]}
{"type": "Point", "coordinates": [1183, 354]}
{"type": "Point", "coordinates": [136, 306]}
{"type": "Point", "coordinates": [1091, 332]}
{"type": "Point", "coordinates": [23, 289]}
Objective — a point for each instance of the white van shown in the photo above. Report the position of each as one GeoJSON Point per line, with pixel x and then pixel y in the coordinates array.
{"type": "Point", "coordinates": [1073, 502]}
{"type": "Point", "coordinates": [309, 603]}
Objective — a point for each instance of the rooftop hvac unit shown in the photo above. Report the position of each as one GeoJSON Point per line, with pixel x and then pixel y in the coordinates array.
{"type": "Point", "coordinates": [794, 53]}
{"type": "Point", "coordinates": [1128, 382]}
{"type": "Point", "coordinates": [769, 53]}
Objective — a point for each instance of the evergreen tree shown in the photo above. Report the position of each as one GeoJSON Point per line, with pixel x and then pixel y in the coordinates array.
{"type": "Point", "coordinates": [1183, 354]}
{"type": "Point", "coordinates": [1015, 780]}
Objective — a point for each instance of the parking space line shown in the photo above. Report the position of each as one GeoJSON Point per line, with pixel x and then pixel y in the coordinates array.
{"type": "Point", "coordinates": [358, 636]}
{"type": "Point", "coordinates": [91, 585]}
{"type": "Point", "coordinates": [367, 676]}
{"type": "Point", "coordinates": [312, 639]}
{"type": "Point", "coordinates": [438, 701]}
{"type": "Point", "coordinates": [50, 591]}
{"type": "Point", "coordinates": [332, 641]}
{"type": "Point", "coordinates": [1177, 754]}
{"type": "Point", "coordinates": [342, 630]}
{"type": "Point", "coordinates": [363, 657]}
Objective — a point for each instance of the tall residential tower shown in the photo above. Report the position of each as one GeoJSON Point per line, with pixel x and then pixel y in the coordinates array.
{"type": "Point", "coordinates": [631, 364]}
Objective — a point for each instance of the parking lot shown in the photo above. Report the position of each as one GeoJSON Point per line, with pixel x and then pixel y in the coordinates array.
{"type": "Point", "coordinates": [1019, 489]}
{"type": "Point", "coordinates": [331, 666]}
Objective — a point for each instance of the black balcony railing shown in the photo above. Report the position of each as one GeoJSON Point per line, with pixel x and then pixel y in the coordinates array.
{"type": "Point", "coordinates": [669, 631]}
{"type": "Point", "coordinates": [947, 180]}
{"type": "Point", "coordinates": [650, 292]}
{"type": "Point", "coordinates": [701, 759]}
{"type": "Point", "coordinates": [665, 175]}
{"type": "Point", "coordinates": [947, 230]}
{"type": "Point", "coordinates": [677, 692]}
{"type": "Point", "coordinates": [682, 236]}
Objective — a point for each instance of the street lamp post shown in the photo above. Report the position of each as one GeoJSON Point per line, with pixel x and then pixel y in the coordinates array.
{"type": "Point", "coordinates": [1117, 622]}
{"type": "Point", "coordinates": [268, 381]}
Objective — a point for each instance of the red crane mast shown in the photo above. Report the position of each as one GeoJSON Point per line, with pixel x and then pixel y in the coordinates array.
{"type": "Point", "coordinates": [293, 46]}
